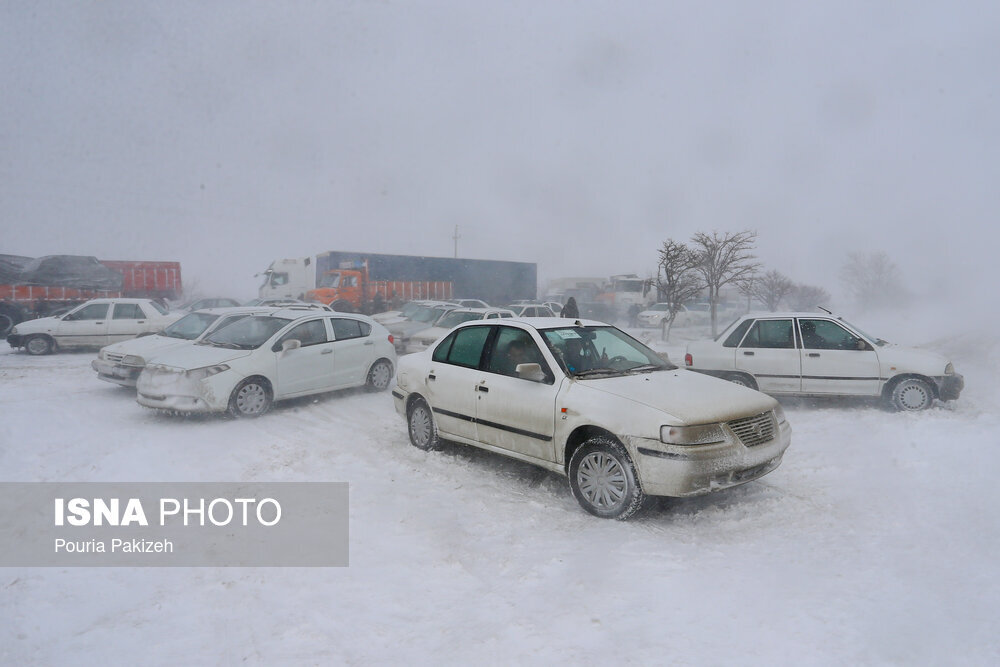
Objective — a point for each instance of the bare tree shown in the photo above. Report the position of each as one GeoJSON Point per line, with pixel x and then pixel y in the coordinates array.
{"type": "Point", "coordinates": [872, 279]}
{"type": "Point", "coordinates": [772, 288]}
{"type": "Point", "coordinates": [724, 260]}
{"type": "Point", "coordinates": [677, 280]}
{"type": "Point", "coordinates": [808, 297]}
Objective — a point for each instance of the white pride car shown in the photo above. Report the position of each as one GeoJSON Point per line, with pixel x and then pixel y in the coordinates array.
{"type": "Point", "coordinates": [246, 366]}
{"type": "Point", "coordinates": [584, 399]}
{"type": "Point", "coordinates": [806, 354]}
{"type": "Point", "coordinates": [121, 363]}
{"type": "Point", "coordinates": [95, 323]}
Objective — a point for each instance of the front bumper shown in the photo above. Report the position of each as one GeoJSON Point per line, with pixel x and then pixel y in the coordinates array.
{"type": "Point", "coordinates": [15, 340]}
{"type": "Point", "coordinates": [171, 390]}
{"type": "Point", "coordinates": [666, 470]}
{"type": "Point", "coordinates": [126, 376]}
{"type": "Point", "coordinates": [950, 386]}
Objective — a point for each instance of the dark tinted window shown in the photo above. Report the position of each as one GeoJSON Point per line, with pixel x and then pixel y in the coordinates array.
{"type": "Point", "coordinates": [467, 347]}
{"type": "Point", "coordinates": [128, 311]}
{"type": "Point", "coordinates": [734, 338]}
{"type": "Point", "coordinates": [307, 333]}
{"type": "Point", "coordinates": [770, 334]}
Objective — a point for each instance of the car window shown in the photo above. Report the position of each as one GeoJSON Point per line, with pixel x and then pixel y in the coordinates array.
{"type": "Point", "coordinates": [127, 311]}
{"type": "Point", "coordinates": [770, 334]}
{"type": "Point", "coordinates": [307, 333]}
{"type": "Point", "coordinates": [95, 311]}
{"type": "Point", "coordinates": [827, 335]}
{"type": "Point", "coordinates": [512, 347]}
{"type": "Point", "coordinates": [589, 351]}
{"type": "Point", "coordinates": [734, 338]}
{"type": "Point", "coordinates": [247, 334]}
{"type": "Point", "coordinates": [463, 347]}
{"type": "Point", "coordinates": [190, 326]}
{"type": "Point", "coordinates": [345, 329]}
{"type": "Point", "coordinates": [159, 308]}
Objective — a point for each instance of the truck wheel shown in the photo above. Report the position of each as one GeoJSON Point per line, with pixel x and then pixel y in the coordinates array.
{"type": "Point", "coordinates": [604, 480]}
{"type": "Point", "coordinates": [9, 316]}
{"type": "Point", "coordinates": [39, 345]}
{"type": "Point", "coordinates": [342, 306]}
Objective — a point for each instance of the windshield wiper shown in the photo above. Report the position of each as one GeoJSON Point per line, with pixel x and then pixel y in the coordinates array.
{"type": "Point", "coordinates": [597, 371]}
{"type": "Point", "coordinates": [647, 367]}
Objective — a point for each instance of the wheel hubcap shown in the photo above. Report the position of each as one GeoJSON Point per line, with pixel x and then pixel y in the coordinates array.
{"type": "Point", "coordinates": [251, 399]}
{"type": "Point", "coordinates": [37, 345]}
{"type": "Point", "coordinates": [602, 480]}
{"type": "Point", "coordinates": [380, 376]}
{"type": "Point", "coordinates": [913, 397]}
{"type": "Point", "coordinates": [420, 426]}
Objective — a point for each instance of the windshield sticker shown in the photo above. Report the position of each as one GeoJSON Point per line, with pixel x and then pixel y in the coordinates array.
{"type": "Point", "coordinates": [567, 334]}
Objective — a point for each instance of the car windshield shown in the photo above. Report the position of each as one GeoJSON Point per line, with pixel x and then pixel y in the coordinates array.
{"type": "Point", "coordinates": [190, 326]}
{"type": "Point", "coordinates": [160, 309]}
{"type": "Point", "coordinates": [247, 334]}
{"type": "Point", "coordinates": [601, 352]}
{"type": "Point", "coordinates": [330, 280]}
{"type": "Point", "coordinates": [409, 309]}
{"type": "Point", "coordinates": [454, 318]}
{"type": "Point", "coordinates": [427, 314]}
{"type": "Point", "coordinates": [878, 341]}
{"type": "Point", "coordinates": [661, 306]}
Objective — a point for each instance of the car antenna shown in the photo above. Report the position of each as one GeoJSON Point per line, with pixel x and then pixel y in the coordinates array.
{"type": "Point", "coordinates": [824, 310]}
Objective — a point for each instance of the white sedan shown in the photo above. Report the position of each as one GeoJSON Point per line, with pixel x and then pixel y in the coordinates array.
{"type": "Point", "coordinates": [656, 314]}
{"type": "Point", "coordinates": [95, 323]}
{"type": "Point", "coordinates": [586, 400]}
{"type": "Point", "coordinates": [121, 363]}
{"type": "Point", "coordinates": [424, 339]}
{"type": "Point", "coordinates": [805, 354]}
{"type": "Point", "coordinates": [246, 366]}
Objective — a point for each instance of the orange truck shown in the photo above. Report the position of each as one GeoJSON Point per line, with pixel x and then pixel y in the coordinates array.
{"type": "Point", "coordinates": [37, 287]}
{"type": "Point", "coordinates": [350, 288]}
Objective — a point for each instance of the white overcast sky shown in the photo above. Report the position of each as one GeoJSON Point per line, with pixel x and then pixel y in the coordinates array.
{"type": "Point", "coordinates": [578, 135]}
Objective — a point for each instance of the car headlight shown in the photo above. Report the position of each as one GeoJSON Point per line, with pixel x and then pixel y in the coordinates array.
{"type": "Point", "coordinates": [703, 434]}
{"type": "Point", "coordinates": [949, 369]}
{"type": "Point", "coordinates": [206, 372]}
{"type": "Point", "coordinates": [779, 414]}
{"type": "Point", "coordinates": [133, 360]}
{"type": "Point", "coordinates": [13, 331]}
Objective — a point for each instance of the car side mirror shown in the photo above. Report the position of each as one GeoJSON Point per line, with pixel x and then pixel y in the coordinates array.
{"type": "Point", "coordinates": [862, 345]}
{"type": "Point", "coordinates": [531, 372]}
{"type": "Point", "coordinates": [291, 344]}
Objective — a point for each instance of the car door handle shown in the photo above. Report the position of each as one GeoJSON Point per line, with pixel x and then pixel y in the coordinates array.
{"type": "Point", "coordinates": [814, 354]}
{"type": "Point", "coordinates": [749, 354]}
{"type": "Point", "coordinates": [327, 351]}
{"type": "Point", "coordinates": [369, 342]}
{"type": "Point", "coordinates": [432, 377]}
{"type": "Point", "coordinates": [98, 322]}
{"type": "Point", "coordinates": [141, 322]}
{"type": "Point", "coordinates": [482, 388]}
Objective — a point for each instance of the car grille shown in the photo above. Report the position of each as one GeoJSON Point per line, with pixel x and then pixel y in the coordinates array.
{"type": "Point", "coordinates": [114, 357]}
{"type": "Point", "coordinates": [754, 430]}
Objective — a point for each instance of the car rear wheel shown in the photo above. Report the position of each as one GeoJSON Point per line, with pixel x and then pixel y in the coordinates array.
{"type": "Point", "coordinates": [379, 376]}
{"type": "Point", "coordinates": [742, 379]}
{"type": "Point", "coordinates": [251, 398]}
{"type": "Point", "coordinates": [912, 395]}
{"type": "Point", "coordinates": [39, 345]}
{"type": "Point", "coordinates": [603, 479]}
{"type": "Point", "coordinates": [421, 426]}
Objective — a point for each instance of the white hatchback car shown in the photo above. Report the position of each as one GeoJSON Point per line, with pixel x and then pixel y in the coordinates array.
{"type": "Point", "coordinates": [806, 354]}
{"type": "Point", "coordinates": [584, 399]}
{"type": "Point", "coordinates": [121, 363]}
{"type": "Point", "coordinates": [95, 323]}
{"type": "Point", "coordinates": [246, 366]}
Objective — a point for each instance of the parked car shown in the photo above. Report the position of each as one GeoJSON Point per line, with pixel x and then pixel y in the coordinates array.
{"type": "Point", "coordinates": [530, 310]}
{"type": "Point", "coordinates": [210, 302]}
{"type": "Point", "coordinates": [121, 363]}
{"type": "Point", "coordinates": [404, 313]}
{"type": "Point", "coordinates": [805, 354]}
{"type": "Point", "coordinates": [424, 339]}
{"type": "Point", "coordinates": [246, 366]}
{"type": "Point", "coordinates": [656, 314]}
{"type": "Point", "coordinates": [423, 318]}
{"type": "Point", "coordinates": [586, 400]}
{"type": "Point", "coordinates": [96, 323]}
{"type": "Point", "coordinates": [470, 303]}
{"type": "Point", "coordinates": [554, 306]}
{"type": "Point", "coordinates": [288, 303]}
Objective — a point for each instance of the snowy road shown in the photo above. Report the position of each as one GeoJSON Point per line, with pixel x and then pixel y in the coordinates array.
{"type": "Point", "coordinates": [875, 542]}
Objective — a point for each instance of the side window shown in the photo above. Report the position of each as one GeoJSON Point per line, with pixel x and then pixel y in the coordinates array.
{"type": "Point", "coordinates": [278, 279]}
{"type": "Point", "coordinates": [491, 316]}
{"type": "Point", "coordinates": [95, 311]}
{"type": "Point", "coordinates": [441, 351]}
{"type": "Point", "coordinates": [127, 311]}
{"type": "Point", "coordinates": [513, 347]}
{"type": "Point", "coordinates": [345, 329]}
{"type": "Point", "coordinates": [770, 334]}
{"type": "Point", "coordinates": [467, 347]}
{"type": "Point", "coordinates": [734, 338]}
{"type": "Point", "coordinates": [307, 333]}
{"type": "Point", "coordinates": [827, 335]}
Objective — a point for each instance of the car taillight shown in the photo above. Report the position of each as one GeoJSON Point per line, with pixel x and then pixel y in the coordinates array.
{"type": "Point", "coordinates": [688, 361]}
{"type": "Point", "coordinates": [391, 339]}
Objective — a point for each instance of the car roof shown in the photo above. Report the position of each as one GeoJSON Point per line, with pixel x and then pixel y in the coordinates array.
{"type": "Point", "coordinates": [539, 323]}
{"type": "Point", "coordinates": [118, 300]}
{"type": "Point", "coordinates": [229, 310]}
{"type": "Point", "coordinates": [491, 309]}
{"type": "Point", "coordinates": [760, 315]}
{"type": "Point", "coordinates": [298, 312]}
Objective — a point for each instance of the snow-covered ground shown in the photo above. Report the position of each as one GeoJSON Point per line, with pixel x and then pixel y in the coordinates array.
{"type": "Point", "coordinates": [876, 542]}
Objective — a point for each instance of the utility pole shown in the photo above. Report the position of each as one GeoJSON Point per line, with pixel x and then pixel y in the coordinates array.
{"type": "Point", "coordinates": [456, 237]}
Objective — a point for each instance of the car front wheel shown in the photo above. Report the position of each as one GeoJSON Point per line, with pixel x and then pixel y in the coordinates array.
{"type": "Point", "coordinates": [603, 479]}
{"type": "Point", "coordinates": [38, 345]}
{"type": "Point", "coordinates": [421, 426]}
{"type": "Point", "coordinates": [912, 395]}
{"type": "Point", "coordinates": [251, 398]}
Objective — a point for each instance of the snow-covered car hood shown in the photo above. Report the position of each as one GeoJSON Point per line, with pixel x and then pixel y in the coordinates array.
{"type": "Point", "coordinates": [145, 346]}
{"type": "Point", "coordinates": [693, 398]}
{"type": "Point", "coordinates": [407, 328]}
{"type": "Point", "coordinates": [40, 325]}
{"type": "Point", "coordinates": [911, 359]}
{"type": "Point", "coordinates": [198, 356]}
{"type": "Point", "coordinates": [430, 335]}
